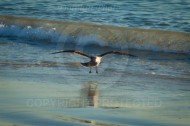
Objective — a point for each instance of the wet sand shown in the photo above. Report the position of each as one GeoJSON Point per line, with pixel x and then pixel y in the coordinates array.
{"type": "Point", "coordinates": [28, 103]}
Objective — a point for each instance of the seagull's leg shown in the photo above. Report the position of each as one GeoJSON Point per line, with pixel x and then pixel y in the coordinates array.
{"type": "Point", "coordinates": [96, 69]}
{"type": "Point", "coordinates": [90, 70]}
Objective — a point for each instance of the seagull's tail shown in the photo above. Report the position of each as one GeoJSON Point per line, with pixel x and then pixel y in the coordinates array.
{"type": "Point", "coordinates": [87, 64]}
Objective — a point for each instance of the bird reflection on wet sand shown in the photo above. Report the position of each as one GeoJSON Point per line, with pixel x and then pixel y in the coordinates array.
{"type": "Point", "coordinates": [90, 94]}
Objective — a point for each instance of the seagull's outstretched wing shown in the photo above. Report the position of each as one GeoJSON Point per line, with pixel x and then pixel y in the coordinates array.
{"type": "Point", "coordinates": [73, 51]}
{"type": "Point", "coordinates": [117, 52]}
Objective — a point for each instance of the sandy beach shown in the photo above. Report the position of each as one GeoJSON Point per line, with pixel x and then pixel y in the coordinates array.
{"type": "Point", "coordinates": [24, 102]}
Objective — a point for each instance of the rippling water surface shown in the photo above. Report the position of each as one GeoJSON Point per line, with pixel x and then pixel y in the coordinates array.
{"type": "Point", "coordinates": [160, 14]}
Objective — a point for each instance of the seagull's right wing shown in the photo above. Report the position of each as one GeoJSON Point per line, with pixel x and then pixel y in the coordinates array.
{"type": "Point", "coordinates": [117, 52]}
{"type": "Point", "coordinates": [73, 51]}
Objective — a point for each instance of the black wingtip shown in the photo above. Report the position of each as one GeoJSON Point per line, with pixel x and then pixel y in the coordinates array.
{"type": "Point", "coordinates": [55, 52]}
{"type": "Point", "coordinates": [132, 55]}
{"type": "Point", "coordinates": [62, 51]}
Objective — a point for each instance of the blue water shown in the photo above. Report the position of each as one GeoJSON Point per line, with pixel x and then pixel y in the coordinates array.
{"type": "Point", "coordinates": [160, 14]}
{"type": "Point", "coordinates": [150, 89]}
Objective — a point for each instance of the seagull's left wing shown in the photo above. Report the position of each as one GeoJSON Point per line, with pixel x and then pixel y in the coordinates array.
{"type": "Point", "coordinates": [74, 51]}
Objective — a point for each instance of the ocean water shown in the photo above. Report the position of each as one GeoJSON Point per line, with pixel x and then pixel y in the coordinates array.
{"type": "Point", "coordinates": [40, 88]}
{"type": "Point", "coordinates": [160, 14]}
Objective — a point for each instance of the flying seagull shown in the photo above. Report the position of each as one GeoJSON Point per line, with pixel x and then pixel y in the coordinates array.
{"type": "Point", "coordinates": [94, 60]}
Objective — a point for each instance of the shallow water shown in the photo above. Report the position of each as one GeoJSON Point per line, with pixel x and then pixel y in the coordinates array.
{"type": "Point", "coordinates": [145, 90]}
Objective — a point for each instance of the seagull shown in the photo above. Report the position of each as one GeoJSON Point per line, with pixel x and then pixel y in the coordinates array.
{"type": "Point", "coordinates": [94, 60]}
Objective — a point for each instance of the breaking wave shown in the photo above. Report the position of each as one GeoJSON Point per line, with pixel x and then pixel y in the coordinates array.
{"type": "Point", "coordinates": [87, 33]}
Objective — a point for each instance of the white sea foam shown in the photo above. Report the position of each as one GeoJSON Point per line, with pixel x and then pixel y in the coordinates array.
{"type": "Point", "coordinates": [52, 36]}
{"type": "Point", "coordinates": [2, 25]}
